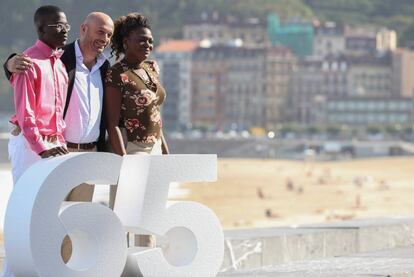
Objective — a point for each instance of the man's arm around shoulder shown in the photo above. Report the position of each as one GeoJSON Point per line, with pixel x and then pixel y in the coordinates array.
{"type": "Point", "coordinates": [16, 63]}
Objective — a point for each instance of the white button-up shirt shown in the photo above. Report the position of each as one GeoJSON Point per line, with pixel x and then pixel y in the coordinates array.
{"type": "Point", "coordinates": [84, 113]}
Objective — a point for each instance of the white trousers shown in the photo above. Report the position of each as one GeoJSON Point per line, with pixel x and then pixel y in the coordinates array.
{"type": "Point", "coordinates": [137, 148]}
{"type": "Point", "coordinates": [21, 157]}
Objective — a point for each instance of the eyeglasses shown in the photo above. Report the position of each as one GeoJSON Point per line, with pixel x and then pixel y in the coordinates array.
{"type": "Point", "coordinates": [60, 26]}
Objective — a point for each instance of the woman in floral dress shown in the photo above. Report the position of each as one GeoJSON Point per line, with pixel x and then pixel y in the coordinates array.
{"type": "Point", "coordinates": [134, 96]}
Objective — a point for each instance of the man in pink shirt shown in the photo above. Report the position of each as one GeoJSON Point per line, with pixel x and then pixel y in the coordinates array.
{"type": "Point", "coordinates": [40, 95]}
{"type": "Point", "coordinates": [39, 98]}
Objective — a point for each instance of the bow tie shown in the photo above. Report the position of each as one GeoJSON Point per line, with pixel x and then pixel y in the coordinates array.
{"type": "Point", "coordinates": [56, 53]}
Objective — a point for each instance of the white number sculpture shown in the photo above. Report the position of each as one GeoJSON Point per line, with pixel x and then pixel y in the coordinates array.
{"type": "Point", "coordinates": [34, 228]}
{"type": "Point", "coordinates": [35, 225]}
{"type": "Point", "coordinates": [191, 233]}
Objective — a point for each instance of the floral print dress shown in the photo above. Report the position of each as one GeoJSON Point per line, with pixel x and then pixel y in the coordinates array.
{"type": "Point", "coordinates": [142, 97]}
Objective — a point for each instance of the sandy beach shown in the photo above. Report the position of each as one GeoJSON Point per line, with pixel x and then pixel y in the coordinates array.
{"type": "Point", "coordinates": [258, 193]}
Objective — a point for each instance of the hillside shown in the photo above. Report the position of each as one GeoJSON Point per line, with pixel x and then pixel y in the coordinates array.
{"type": "Point", "coordinates": [169, 16]}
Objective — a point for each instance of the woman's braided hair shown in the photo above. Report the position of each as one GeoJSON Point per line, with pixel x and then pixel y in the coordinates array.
{"type": "Point", "coordinates": [124, 25]}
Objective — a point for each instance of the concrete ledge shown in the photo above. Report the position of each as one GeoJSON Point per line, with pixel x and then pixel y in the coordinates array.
{"type": "Point", "coordinates": [397, 262]}
{"type": "Point", "coordinates": [377, 234]}
{"type": "Point", "coordinates": [257, 248]}
{"type": "Point", "coordinates": [372, 247]}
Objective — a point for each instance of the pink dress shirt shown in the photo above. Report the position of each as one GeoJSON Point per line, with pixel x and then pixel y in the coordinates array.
{"type": "Point", "coordinates": [39, 97]}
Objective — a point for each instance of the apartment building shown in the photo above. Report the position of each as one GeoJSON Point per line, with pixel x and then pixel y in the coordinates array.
{"type": "Point", "coordinates": [174, 58]}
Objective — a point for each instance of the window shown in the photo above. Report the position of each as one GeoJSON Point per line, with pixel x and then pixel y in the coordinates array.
{"type": "Point", "coordinates": [392, 105]}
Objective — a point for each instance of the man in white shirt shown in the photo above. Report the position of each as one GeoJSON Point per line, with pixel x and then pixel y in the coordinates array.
{"type": "Point", "coordinates": [85, 108]}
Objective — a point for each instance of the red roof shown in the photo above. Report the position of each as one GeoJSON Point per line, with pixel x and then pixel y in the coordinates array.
{"type": "Point", "coordinates": [178, 46]}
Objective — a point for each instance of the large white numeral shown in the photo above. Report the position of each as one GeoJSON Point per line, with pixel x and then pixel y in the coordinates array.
{"type": "Point", "coordinates": [34, 228]}
{"type": "Point", "coordinates": [191, 233]}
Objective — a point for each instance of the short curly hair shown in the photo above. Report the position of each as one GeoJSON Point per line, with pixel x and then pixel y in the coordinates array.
{"type": "Point", "coordinates": [124, 25]}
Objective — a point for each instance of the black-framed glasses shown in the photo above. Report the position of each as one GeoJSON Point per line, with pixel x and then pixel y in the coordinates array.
{"type": "Point", "coordinates": [60, 26]}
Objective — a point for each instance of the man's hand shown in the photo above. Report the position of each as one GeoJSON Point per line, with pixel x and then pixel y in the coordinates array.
{"type": "Point", "coordinates": [53, 152]}
{"type": "Point", "coordinates": [19, 63]}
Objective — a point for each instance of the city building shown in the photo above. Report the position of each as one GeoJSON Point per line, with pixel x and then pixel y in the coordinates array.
{"type": "Point", "coordinates": [174, 58]}
{"type": "Point", "coordinates": [305, 91]}
{"type": "Point", "coordinates": [369, 75]}
{"type": "Point", "coordinates": [369, 40]}
{"type": "Point", "coordinates": [226, 30]}
{"type": "Point", "coordinates": [314, 81]}
{"type": "Point", "coordinates": [359, 111]}
{"type": "Point", "coordinates": [280, 64]}
{"type": "Point", "coordinates": [402, 72]}
{"type": "Point", "coordinates": [353, 89]}
{"type": "Point", "coordinates": [360, 40]}
{"type": "Point", "coordinates": [245, 96]}
{"type": "Point", "coordinates": [329, 40]}
{"type": "Point", "coordinates": [234, 74]}
{"type": "Point", "coordinates": [298, 36]}
{"type": "Point", "coordinates": [228, 88]}
{"type": "Point", "coordinates": [386, 40]}
{"type": "Point", "coordinates": [209, 87]}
